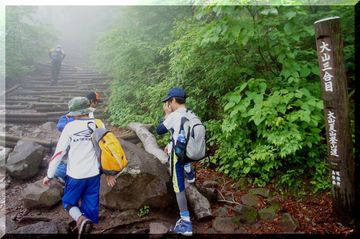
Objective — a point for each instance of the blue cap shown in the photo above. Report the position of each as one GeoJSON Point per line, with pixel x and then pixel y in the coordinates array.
{"type": "Point", "coordinates": [175, 92]}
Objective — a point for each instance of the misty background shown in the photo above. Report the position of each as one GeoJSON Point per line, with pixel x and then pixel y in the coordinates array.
{"type": "Point", "coordinates": [76, 28]}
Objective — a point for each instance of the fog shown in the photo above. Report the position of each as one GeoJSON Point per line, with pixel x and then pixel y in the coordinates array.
{"type": "Point", "coordinates": [77, 27]}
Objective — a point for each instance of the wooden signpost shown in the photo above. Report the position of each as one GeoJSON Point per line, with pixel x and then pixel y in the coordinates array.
{"type": "Point", "coordinates": [336, 111]}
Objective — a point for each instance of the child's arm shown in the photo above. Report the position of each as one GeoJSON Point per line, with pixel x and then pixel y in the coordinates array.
{"type": "Point", "coordinates": [61, 150]}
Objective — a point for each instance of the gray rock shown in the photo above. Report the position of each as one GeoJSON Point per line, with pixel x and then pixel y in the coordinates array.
{"type": "Point", "coordinates": [61, 226]}
{"type": "Point", "coordinates": [246, 213]}
{"type": "Point", "coordinates": [224, 225]}
{"type": "Point", "coordinates": [24, 161]}
{"type": "Point", "coordinates": [4, 154]}
{"type": "Point", "coordinates": [10, 224]}
{"type": "Point", "coordinates": [221, 212]}
{"type": "Point", "coordinates": [36, 195]}
{"type": "Point", "coordinates": [37, 228]}
{"type": "Point", "coordinates": [268, 213]}
{"type": "Point", "coordinates": [210, 184]}
{"type": "Point", "coordinates": [274, 202]}
{"type": "Point", "coordinates": [209, 193]}
{"type": "Point", "coordinates": [240, 185]}
{"type": "Point", "coordinates": [158, 228]}
{"type": "Point", "coordinates": [145, 181]}
{"type": "Point", "coordinates": [260, 191]}
{"type": "Point", "coordinates": [250, 200]}
{"type": "Point", "coordinates": [288, 223]}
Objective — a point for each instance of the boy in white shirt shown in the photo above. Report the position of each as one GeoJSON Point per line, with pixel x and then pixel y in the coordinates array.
{"type": "Point", "coordinates": [82, 170]}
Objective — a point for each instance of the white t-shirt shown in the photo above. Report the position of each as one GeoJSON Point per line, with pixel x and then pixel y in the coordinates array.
{"type": "Point", "coordinates": [173, 121]}
{"type": "Point", "coordinates": [82, 160]}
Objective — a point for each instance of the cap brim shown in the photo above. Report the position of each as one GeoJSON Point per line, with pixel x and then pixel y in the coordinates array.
{"type": "Point", "coordinates": [80, 112]}
{"type": "Point", "coordinates": [165, 99]}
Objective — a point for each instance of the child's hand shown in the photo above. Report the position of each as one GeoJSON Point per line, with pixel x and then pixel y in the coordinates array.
{"type": "Point", "coordinates": [111, 180]}
{"type": "Point", "coordinates": [46, 181]}
{"type": "Point", "coordinates": [167, 108]}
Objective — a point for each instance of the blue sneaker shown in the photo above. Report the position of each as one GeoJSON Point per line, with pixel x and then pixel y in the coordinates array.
{"type": "Point", "coordinates": [189, 173]}
{"type": "Point", "coordinates": [182, 227]}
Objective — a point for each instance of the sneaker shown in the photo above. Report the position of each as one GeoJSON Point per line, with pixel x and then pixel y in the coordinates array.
{"type": "Point", "coordinates": [190, 176]}
{"type": "Point", "coordinates": [182, 227]}
{"type": "Point", "coordinates": [84, 225]}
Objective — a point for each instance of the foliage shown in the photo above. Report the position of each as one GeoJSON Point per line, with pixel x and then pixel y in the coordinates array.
{"type": "Point", "coordinates": [26, 40]}
{"type": "Point", "coordinates": [252, 76]}
{"type": "Point", "coordinates": [145, 210]}
{"type": "Point", "coordinates": [134, 53]}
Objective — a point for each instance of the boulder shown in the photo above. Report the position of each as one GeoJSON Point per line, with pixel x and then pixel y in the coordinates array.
{"type": "Point", "coordinates": [221, 212]}
{"type": "Point", "coordinates": [246, 213]}
{"type": "Point", "coordinates": [144, 181]}
{"type": "Point", "coordinates": [24, 161]}
{"type": "Point", "coordinates": [36, 195]}
{"type": "Point", "coordinates": [240, 185]}
{"type": "Point", "coordinates": [210, 184]}
{"type": "Point", "coordinates": [260, 191]}
{"type": "Point", "coordinates": [268, 213]}
{"type": "Point", "coordinates": [288, 223]}
{"type": "Point", "coordinates": [158, 229]}
{"type": "Point", "coordinates": [37, 228]}
{"type": "Point", "coordinates": [209, 193]}
{"type": "Point", "coordinates": [4, 154]}
{"type": "Point", "coordinates": [224, 225]}
{"type": "Point", "coordinates": [250, 200]}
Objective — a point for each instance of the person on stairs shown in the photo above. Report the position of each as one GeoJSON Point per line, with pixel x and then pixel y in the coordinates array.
{"type": "Point", "coordinates": [56, 56]}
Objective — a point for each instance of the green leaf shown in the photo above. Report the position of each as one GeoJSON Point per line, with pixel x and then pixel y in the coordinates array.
{"type": "Point", "coordinates": [290, 15]}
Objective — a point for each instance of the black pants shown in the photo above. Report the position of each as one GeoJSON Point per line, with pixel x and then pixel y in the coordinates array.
{"type": "Point", "coordinates": [55, 70]}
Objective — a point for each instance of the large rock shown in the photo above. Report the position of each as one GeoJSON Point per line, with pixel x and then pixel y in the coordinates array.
{"type": "Point", "coordinates": [158, 229]}
{"type": "Point", "coordinates": [4, 154]}
{"type": "Point", "coordinates": [265, 192]}
{"type": "Point", "coordinates": [224, 225]}
{"type": "Point", "coordinates": [288, 223]}
{"type": "Point", "coordinates": [250, 200]}
{"type": "Point", "coordinates": [268, 213]}
{"type": "Point", "coordinates": [145, 181]}
{"type": "Point", "coordinates": [246, 213]}
{"type": "Point", "coordinates": [36, 195]}
{"type": "Point", "coordinates": [24, 161]}
{"type": "Point", "coordinates": [37, 228]}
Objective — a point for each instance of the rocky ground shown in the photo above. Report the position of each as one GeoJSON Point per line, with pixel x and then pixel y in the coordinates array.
{"type": "Point", "coordinates": [237, 208]}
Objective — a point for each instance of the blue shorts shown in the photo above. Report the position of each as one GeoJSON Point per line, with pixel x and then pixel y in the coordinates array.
{"type": "Point", "coordinates": [177, 176]}
{"type": "Point", "coordinates": [87, 191]}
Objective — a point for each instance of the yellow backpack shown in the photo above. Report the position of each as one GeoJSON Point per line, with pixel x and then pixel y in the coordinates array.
{"type": "Point", "coordinates": [108, 150]}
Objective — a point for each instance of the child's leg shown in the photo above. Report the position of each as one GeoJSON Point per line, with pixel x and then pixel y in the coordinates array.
{"type": "Point", "coordinates": [73, 190]}
{"type": "Point", "coordinates": [179, 188]}
{"type": "Point", "coordinates": [90, 199]}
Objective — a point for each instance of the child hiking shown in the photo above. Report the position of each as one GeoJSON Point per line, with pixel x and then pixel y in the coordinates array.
{"type": "Point", "coordinates": [83, 169]}
{"type": "Point", "coordinates": [175, 110]}
{"type": "Point", "coordinates": [94, 99]}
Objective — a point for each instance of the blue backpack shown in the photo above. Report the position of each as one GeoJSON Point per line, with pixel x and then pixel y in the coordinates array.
{"type": "Point", "coordinates": [63, 120]}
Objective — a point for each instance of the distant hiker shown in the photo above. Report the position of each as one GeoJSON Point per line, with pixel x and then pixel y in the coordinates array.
{"type": "Point", "coordinates": [175, 109]}
{"type": "Point", "coordinates": [83, 169]}
{"type": "Point", "coordinates": [56, 56]}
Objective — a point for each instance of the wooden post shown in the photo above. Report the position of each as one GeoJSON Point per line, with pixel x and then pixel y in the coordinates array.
{"type": "Point", "coordinates": [338, 133]}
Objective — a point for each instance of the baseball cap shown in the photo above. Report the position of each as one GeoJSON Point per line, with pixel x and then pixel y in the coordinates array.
{"type": "Point", "coordinates": [79, 106]}
{"type": "Point", "coordinates": [174, 92]}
